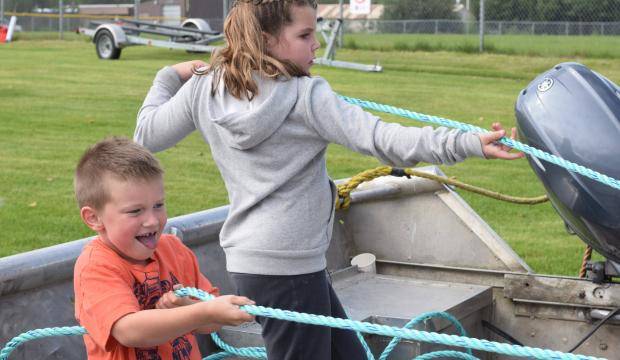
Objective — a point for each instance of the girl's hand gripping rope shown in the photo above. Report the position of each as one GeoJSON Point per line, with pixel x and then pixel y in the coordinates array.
{"type": "Point", "coordinates": [493, 149]}
{"type": "Point", "coordinates": [184, 69]}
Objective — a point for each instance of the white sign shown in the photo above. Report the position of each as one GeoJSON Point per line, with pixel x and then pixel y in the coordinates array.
{"type": "Point", "coordinates": [359, 7]}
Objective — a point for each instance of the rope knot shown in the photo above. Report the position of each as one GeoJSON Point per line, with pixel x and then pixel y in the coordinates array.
{"type": "Point", "coordinates": [400, 172]}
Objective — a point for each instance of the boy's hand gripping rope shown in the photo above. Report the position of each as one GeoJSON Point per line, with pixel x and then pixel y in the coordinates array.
{"type": "Point", "coordinates": [568, 165]}
{"type": "Point", "coordinates": [396, 333]}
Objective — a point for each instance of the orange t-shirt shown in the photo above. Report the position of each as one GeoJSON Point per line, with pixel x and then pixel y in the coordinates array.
{"type": "Point", "coordinates": [107, 287]}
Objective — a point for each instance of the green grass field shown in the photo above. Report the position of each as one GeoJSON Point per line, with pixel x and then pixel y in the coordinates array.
{"type": "Point", "coordinates": [57, 98]}
{"type": "Point", "coordinates": [601, 47]}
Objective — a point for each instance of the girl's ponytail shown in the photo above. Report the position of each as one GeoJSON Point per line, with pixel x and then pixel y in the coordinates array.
{"type": "Point", "coordinates": [245, 52]}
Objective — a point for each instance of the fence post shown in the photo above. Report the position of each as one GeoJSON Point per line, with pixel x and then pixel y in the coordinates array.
{"type": "Point", "coordinates": [225, 6]}
{"type": "Point", "coordinates": [1, 10]}
{"type": "Point", "coordinates": [136, 9]}
{"type": "Point", "coordinates": [61, 10]}
{"type": "Point", "coordinates": [566, 29]}
{"type": "Point", "coordinates": [481, 26]}
{"type": "Point", "coordinates": [436, 27]}
{"type": "Point", "coordinates": [341, 17]}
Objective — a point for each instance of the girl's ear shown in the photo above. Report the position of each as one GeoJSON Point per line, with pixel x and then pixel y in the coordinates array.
{"type": "Point", "coordinates": [269, 40]}
{"type": "Point", "coordinates": [91, 218]}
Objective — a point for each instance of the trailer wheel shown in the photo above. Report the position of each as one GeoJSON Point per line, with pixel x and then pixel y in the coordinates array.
{"type": "Point", "coordinates": [194, 27]}
{"type": "Point", "coordinates": [104, 44]}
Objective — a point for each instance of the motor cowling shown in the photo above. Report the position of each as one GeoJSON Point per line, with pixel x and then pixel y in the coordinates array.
{"type": "Point", "coordinates": [573, 112]}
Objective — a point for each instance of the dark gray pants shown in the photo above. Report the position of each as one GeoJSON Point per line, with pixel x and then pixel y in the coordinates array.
{"type": "Point", "coordinates": [309, 293]}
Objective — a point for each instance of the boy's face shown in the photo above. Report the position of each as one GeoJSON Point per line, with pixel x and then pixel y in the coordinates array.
{"type": "Point", "coordinates": [133, 219]}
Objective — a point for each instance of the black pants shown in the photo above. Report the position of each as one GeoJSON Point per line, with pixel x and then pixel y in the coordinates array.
{"type": "Point", "coordinates": [309, 293]}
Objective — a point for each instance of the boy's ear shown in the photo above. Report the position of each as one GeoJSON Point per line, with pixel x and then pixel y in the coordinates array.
{"type": "Point", "coordinates": [91, 218]}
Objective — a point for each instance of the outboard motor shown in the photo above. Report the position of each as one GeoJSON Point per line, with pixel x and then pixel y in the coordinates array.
{"type": "Point", "coordinates": [573, 112]}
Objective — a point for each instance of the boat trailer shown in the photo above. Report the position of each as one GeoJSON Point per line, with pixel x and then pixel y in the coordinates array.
{"type": "Point", "coordinates": [193, 35]}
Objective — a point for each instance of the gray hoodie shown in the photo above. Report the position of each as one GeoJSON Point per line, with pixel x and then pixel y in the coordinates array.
{"type": "Point", "coordinates": [271, 154]}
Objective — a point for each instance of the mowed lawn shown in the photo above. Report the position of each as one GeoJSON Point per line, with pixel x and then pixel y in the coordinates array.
{"type": "Point", "coordinates": [57, 98]}
{"type": "Point", "coordinates": [594, 46]}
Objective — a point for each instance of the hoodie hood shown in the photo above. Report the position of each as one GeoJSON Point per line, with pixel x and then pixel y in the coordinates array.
{"type": "Point", "coordinates": [245, 124]}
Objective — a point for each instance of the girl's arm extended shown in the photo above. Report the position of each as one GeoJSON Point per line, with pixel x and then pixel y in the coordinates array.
{"type": "Point", "coordinates": [340, 122]}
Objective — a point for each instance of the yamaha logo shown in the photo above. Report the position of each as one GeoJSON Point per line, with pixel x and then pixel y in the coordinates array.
{"type": "Point", "coordinates": [545, 85]}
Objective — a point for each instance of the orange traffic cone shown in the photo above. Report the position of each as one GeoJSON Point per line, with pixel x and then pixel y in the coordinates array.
{"type": "Point", "coordinates": [3, 31]}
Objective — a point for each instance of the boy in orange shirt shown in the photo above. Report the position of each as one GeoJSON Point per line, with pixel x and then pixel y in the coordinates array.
{"type": "Point", "coordinates": [124, 278]}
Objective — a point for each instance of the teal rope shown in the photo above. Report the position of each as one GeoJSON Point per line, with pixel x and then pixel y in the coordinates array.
{"type": "Point", "coordinates": [401, 333]}
{"type": "Point", "coordinates": [426, 316]}
{"type": "Point", "coordinates": [38, 334]}
{"type": "Point", "coordinates": [450, 340]}
{"type": "Point", "coordinates": [249, 352]}
{"type": "Point", "coordinates": [360, 337]}
{"type": "Point", "coordinates": [261, 353]}
{"type": "Point", "coordinates": [568, 165]}
{"type": "Point", "coordinates": [218, 356]}
{"type": "Point", "coordinates": [446, 354]}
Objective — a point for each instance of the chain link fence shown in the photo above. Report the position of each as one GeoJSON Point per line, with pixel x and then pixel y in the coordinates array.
{"type": "Point", "coordinates": [501, 17]}
{"type": "Point", "coordinates": [430, 17]}
{"type": "Point", "coordinates": [439, 26]}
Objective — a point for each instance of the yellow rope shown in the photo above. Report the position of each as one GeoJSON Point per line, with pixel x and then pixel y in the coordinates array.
{"type": "Point", "coordinates": [587, 255]}
{"type": "Point", "coordinates": [344, 190]}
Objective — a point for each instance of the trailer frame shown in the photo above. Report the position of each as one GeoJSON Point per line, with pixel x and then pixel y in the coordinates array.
{"type": "Point", "coordinates": [330, 30]}
{"type": "Point", "coordinates": [193, 35]}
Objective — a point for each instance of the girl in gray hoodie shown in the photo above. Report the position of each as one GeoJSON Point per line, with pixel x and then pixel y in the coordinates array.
{"type": "Point", "coordinates": [268, 123]}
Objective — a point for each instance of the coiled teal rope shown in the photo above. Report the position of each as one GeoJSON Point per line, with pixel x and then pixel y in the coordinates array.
{"type": "Point", "coordinates": [260, 353]}
{"type": "Point", "coordinates": [427, 316]}
{"type": "Point", "coordinates": [369, 328]}
{"type": "Point", "coordinates": [397, 333]}
{"type": "Point", "coordinates": [568, 165]}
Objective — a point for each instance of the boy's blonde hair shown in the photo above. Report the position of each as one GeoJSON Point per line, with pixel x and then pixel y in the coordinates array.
{"type": "Point", "coordinates": [115, 156]}
{"type": "Point", "coordinates": [245, 51]}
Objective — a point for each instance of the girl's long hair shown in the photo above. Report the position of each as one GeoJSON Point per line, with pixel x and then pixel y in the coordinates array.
{"type": "Point", "coordinates": [245, 52]}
